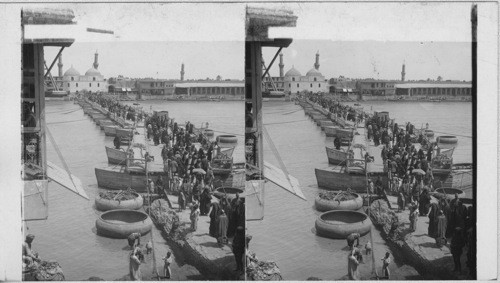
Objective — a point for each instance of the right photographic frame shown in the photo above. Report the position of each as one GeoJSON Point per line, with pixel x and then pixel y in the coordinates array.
{"type": "Point", "coordinates": [361, 141]}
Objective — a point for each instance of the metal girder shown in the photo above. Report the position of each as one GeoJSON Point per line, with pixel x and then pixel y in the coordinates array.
{"type": "Point", "coordinates": [53, 62]}
{"type": "Point", "coordinates": [272, 61]}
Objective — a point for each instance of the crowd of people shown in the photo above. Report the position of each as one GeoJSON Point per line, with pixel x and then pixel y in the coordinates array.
{"type": "Point", "coordinates": [411, 179]}
{"type": "Point", "coordinates": [336, 108]}
{"type": "Point", "coordinates": [188, 174]}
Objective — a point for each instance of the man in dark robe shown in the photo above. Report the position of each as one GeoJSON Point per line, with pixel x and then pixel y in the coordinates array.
{"type": "Point", "coordinates": [336, 143]}
{"type": "Point", "coordinates": [117, 142]}
{"type": "Point", "coordinates": [456, 247]}
{"type": "Point", "coordinates": [424, 202]}
{"type": "Point", "coordinates": [433, 215]}
{"type": "Point", "coordinates": [214, 220]}
{"type": "Point", "coordinates": [239, 247]}
{"type": "Point", "coordinates": [233, 218]}
{"type": "Point", "coordinates": [205, 199]}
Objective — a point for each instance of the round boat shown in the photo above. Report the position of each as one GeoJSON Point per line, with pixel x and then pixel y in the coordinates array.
{"type": "Point", "coordinates": [227, 141]}
{"type": "Point", "coordinates": [230, 192]}
{"type": "Point", "coordinates": [327, 205]}
{"type": "Point", "coordinates": [120, 223]}
{"type": "Point", "coordinates": [447, 141]}
{"type": "Point", "coordinates": [429, 133]}
{"type": "Point", "coordinates": [338, 224]}
{"type": "Point", "coordinates": [208, 132]}
{"type": "Point", "coordinates": [103, 204]}
{"type": "Point", "coordinates": [450, 192]}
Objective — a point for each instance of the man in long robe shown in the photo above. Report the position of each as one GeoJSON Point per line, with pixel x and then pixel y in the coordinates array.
{"type": "Point", "coordinates": [441, 226]}
{"type": "Point", "coordinates": [352, 266]}
{"type": "Point", "coordinates": [135, 265]}
{"type": "Point", "coordinates": [222, 229]}
{"type": "Point", "coordinates": [433, 215]}
{"type": "Point", "coordinates": [214, 220]}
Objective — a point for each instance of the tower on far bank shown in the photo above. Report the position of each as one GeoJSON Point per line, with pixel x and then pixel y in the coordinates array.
{"type": "Point", "coordinates": [96, 58]}
{"type": "Point", "coordinates": [316, 65]}
{"type": "Point", "coordinates": [403, 73]}
{"type": "Point", "coordinates": [60, 65]}
{"type": "Point", "coordinates": [281, 65]}
{"type": "Point", "coordinates": [182, 72]}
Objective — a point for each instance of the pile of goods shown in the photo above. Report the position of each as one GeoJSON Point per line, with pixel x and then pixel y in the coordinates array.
{"type": "Point", "coordinates": [119, 195]}
{"type": "Point", "coordinates": [46, 271]}
{"type": "Point", "coordinates": [262, 270]}
{"type": "Point", "coordinates": [164, 216]}
{"type": "Point", "coordinates": [337, 196]}
{"type": "Point", "coordinates": [383, 217]}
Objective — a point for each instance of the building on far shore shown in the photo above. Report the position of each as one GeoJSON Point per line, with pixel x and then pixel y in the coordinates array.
{"type": "Point", "coordinates": [434, 89]}
{"type": "Point", "coordinates": [72, 81]}
{"type": "Point", "coordinates": [156, 86]}
{"type": "Point", "coordinates": [211, 87]}
{"type": "Point", "coordinates": [293, 81]}
{"type": "Point", "coordinates": [376, 87]}
{"type": "Point", "coordinates": [342, 86]}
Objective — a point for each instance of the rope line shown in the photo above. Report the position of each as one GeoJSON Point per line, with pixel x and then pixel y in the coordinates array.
{"type": "Point", "coordinates": [454, 134]}
{"type": "Point", "coordinates": [277, 123]}
{"type": "Point", "coordinates": [64, 122]}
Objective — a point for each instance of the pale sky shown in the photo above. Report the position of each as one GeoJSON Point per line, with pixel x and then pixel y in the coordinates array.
{"type": "Point", "coordinates": [372, 40]}
{"type": "Point", "coordinates": [160, 60]}
{"type": "Point", "coordinates": [378, 59]}
{"type": "Point", "coordinates": [353, 39]}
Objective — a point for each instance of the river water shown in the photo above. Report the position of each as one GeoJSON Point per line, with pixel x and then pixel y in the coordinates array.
{"type": "Point", "coordinates": [68, 236]}
{"type": "Point", "coordinates": [286, 235]}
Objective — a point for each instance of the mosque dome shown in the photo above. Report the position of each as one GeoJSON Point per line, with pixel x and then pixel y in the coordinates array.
{"type": "Point", "coordinates": [92, 72]}
{"type": "Point", "coordinates": [293, 73]}
{"type": "Point", "coordinates": [313, 73]}
{"type": "Point", "coordinates": [71, 72]}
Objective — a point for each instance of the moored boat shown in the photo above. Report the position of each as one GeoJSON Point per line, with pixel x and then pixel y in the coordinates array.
{"type": "Point", "coordinates": [208, 132]}
{"type": "Point", "coordinates": [119, 178]}
{"type": "Point", "coordinates": [120, 223]}
{"type": "Point", "coordinates": [449, 193]}
{"type": "Point", "coordinates": [104, 123]}
{"type": "Point", "coordinates": [320, 121]}
{"type": "Point", "coordinates": [116, 156]}
{"type": "Point", "coordinates": [447, 142]}
{"type": "Point", "coordinates": [338, 224]}
{"type": "Point", "coordinates": [326, 123]}
{"type": "Point", "coordinates": [126, 133]}
{"type": "Point", "coordinates": [230, 192]}
{"type": "Point", "coordinates": [227, 141]}
{"type": "Point", "coordinates": [339, 132]}
{"type": "Point", "coordinates": [105, 204]}
{"type": "Point", "coordinates": [110, 130]}
{"type": "Point", "coordinates": [322, 204]}
{"type": "Point", "coordinates": [336, 157]}
{"type": "Point", "coordinates": [338, 178]}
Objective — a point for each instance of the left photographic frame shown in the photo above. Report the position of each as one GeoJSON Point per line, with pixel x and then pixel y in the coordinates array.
{"type": "Point", "coordinates": [132, 142]}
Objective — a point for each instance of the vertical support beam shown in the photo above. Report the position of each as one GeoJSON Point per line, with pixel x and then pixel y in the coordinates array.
{"type": "Point", "coordinates": [474, 22]}
{"type": "Point", "coordinates": [256, 81]}
{"type": "Point", "coordinates": [40, 101]}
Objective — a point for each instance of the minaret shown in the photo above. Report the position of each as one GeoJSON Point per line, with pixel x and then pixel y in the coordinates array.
{"type": "Point", "coordinates": [96, 64]}
{"type": "Point", "coordinates": [316, 65]}
{"type": "Point", "coordinates": [282, 73]}
{"type": "Point", "coordinates": [403, 73]}
{"type": "Point", "coordinates": [60, 65]}
{"type": "Point", "coordinates": [182, 72]}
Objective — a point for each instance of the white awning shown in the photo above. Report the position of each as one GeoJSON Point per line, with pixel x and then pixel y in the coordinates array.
{"type": "Point", "coordinates": [60, 176]}
{"type": "Point", "coordinates": [279, 178]}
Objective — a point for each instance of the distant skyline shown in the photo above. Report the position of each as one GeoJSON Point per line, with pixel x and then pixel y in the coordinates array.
{"type": "Point", "coordinates": [160, 60]}
{"type": "Point", "coordinates": [377, 59]}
